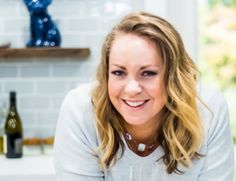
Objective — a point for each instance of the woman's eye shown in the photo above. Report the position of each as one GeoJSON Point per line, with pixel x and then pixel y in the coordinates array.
{"type": "Point", "coordinates": [149, 73]}
{"type": "Point", "coordinates": [118, 73]}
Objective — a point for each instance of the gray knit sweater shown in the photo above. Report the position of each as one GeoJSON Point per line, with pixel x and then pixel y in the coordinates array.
{"type": "Point", "coordinates": [76, 141]}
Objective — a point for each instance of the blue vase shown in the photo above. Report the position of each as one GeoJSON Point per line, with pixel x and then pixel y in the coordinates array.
{"type": "Point", "coordinates": [44, 32]}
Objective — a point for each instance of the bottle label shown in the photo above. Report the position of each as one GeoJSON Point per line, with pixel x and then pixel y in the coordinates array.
{"type": "Point", "coordinates": [18, 145]}
{"type": "Point", "coordinates": [4, 143]}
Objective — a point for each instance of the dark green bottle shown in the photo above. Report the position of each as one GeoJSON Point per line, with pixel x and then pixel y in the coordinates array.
{"type": "Point", "coordinates": [13, 136]}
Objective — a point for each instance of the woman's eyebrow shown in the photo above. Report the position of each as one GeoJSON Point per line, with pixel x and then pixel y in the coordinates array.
{"type": "Point", "coordinates": [117, 65]}
{"type": "Point", "coordinates": [141, 68]}
{"type": "Point", "coordinates": [148, 66]}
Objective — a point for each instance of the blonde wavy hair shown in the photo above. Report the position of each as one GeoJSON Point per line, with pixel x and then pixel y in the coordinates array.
{"type": "Point", "coordinates": [181, 134]}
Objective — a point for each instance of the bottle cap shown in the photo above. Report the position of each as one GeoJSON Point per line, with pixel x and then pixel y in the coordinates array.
{"type": "Point", "coordinates": [12, 96]}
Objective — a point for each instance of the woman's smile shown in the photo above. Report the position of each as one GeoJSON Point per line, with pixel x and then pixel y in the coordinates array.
{"type": "Point", "coordinates": [135, 104]}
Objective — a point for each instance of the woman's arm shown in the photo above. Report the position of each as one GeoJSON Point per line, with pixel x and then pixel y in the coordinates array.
{"type": "Point", "coordinates": [219, 158]}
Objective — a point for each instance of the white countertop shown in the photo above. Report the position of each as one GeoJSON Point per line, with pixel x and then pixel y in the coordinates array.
{"type": "Point", "coordinates": [28, 168]}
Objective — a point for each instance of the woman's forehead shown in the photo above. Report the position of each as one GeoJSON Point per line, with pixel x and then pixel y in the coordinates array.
{"type": "Point", "coordinates": [131, 48]}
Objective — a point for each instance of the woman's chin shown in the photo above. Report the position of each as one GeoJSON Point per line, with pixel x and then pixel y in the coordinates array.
{"type": "Point", "coordinates": [135, 121]}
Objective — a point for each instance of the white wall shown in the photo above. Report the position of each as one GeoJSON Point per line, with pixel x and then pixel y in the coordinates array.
{"type": "Point", "coordinates": [183, 15]}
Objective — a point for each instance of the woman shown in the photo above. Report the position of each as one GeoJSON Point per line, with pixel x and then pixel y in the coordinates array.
{"type": "Point", "coordinates": [145, 118]}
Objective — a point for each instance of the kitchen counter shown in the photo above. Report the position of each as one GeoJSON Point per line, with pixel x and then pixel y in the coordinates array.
{"type": "Point", "coordinates": [27, 168]}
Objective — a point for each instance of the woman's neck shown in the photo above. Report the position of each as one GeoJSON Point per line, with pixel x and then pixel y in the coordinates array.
{"type": "Point", "coordinates": [143, 133]}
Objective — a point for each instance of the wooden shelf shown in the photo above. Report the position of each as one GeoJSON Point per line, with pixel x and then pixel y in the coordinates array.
{"type": "Point", "coordinates": [43, 52]}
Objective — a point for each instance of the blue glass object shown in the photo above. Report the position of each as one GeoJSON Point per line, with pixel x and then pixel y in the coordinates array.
{"type": "Point", "coordinates": [44, 33]}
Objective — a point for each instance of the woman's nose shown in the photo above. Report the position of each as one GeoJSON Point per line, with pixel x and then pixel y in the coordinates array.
{"type": "Point", "coordinates": [133, 87]}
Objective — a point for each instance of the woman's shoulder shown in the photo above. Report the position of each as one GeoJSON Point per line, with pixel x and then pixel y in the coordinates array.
{"type": "Point", "coordinates": [76, 138]}
{"type": "Point", "coordinates": [213, 109]}
{"type": "Point", "coordinates": [77, 112]}
{"type": "Point", "coordinates": [210, 95]}
{"type": "Point", "coordinates": [81, 95]}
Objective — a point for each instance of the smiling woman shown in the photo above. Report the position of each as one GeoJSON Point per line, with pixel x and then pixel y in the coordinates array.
{"type": "Point", "coordinates": [145, 115]}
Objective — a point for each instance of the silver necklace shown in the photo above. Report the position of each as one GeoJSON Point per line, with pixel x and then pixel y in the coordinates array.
{"type": "Point", "coordinates": [141, 147]}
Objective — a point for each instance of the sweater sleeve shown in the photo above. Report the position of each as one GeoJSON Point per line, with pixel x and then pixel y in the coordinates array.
{"type": "Point", "coordinates": [75, 156]}
{"type": "Point", "coordinates": [219, 158]}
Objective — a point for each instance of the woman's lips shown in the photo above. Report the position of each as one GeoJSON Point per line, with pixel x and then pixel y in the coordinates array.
{"type": "Point", "coordinates": [135, 104]}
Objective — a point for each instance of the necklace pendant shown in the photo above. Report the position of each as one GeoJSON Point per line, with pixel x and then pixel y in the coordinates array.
{"type": "Point", "coordinates": [141, 147]}
{"type": "Point", "coordinates": [128, 136]}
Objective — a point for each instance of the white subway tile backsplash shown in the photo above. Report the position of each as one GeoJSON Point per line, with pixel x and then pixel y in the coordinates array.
{"type": "Point", "coordinates": [83, 24]}
{"type": "Point", "coordinates": [13, 38]}
{"type": "Point", "coordinates": [3, 109]}
{"type": "Point", "coordinates": [13, 25]}
{"type": "Point", "coordinates": [51, 87]}
{"type": "Point", "coordinates": [74, 83]}
{"type": "Point", "coordinates": [73, 40]}
{"type": "Point", "coordinates": [108, 8]}
{"type": "Point", "coordinates": [94, 8]}
{"type": "Point", "coordinates": [38, 131]}
{"type": "Point", "coordinates": [34, 70]}
{"type": "Point", "coordinates": [30, 131]}
{"type": "Point", "coordinates": [69, 9]}
{"type": "Point", "coordinates": [22, 9]}
{"type": "Point", "coordinates": [49, 60]}
{"type": "Point", "coordinates": [94, 41]}
{"type": "Point", "coordinates": [22, 87]}
{"type": "Point", "coordinates": [63, 70]}
{"type": "Point", "coordinates": [122, 7]}
{"type": "Point", "coordinates": [47, 118]}
{"type": "Point", "coordinates": [71, 60]}
{"type": "Point", "coordinates": [1, 28]}
{"type": "Point", "coordinates": [8, 71]}
{"type": "Point", "coordinates": [28, 118]}
{"type": "Point", "coordinates": [1, 88]}
{"type": "Point", "coordinates": [8, 9]}
{"type": "Point", "coordinates": [56, 102]}
{"type": "Point", "coordinates": [62, 25]}
{"type": "Point", "coordinates": [55, 9]}
{"type": "Point", "coordinates": [23, 40]}
{"type": "Point", "coordinates": [34, 102]}
{"type": "Point", "coordinates": [108, 23]}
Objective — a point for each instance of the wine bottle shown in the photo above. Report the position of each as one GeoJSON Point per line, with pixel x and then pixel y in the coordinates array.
{"type": "Point", "coordinates": [13, 136]}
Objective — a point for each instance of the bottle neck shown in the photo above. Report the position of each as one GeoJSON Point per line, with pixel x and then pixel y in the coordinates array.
{"type": "Point", "coordinates": [12, 105]}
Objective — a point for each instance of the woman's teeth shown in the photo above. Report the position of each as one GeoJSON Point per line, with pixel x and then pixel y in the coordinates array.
{"type": "Point", "coordinates": [135, 104]}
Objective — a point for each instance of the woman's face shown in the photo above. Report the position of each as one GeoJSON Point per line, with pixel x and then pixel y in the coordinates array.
{"type": "Point", "coordinates": [136, 80]}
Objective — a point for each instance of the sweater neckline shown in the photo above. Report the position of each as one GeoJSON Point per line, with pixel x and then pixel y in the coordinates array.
{"type": "Point", "coordinates": [153, 156]}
